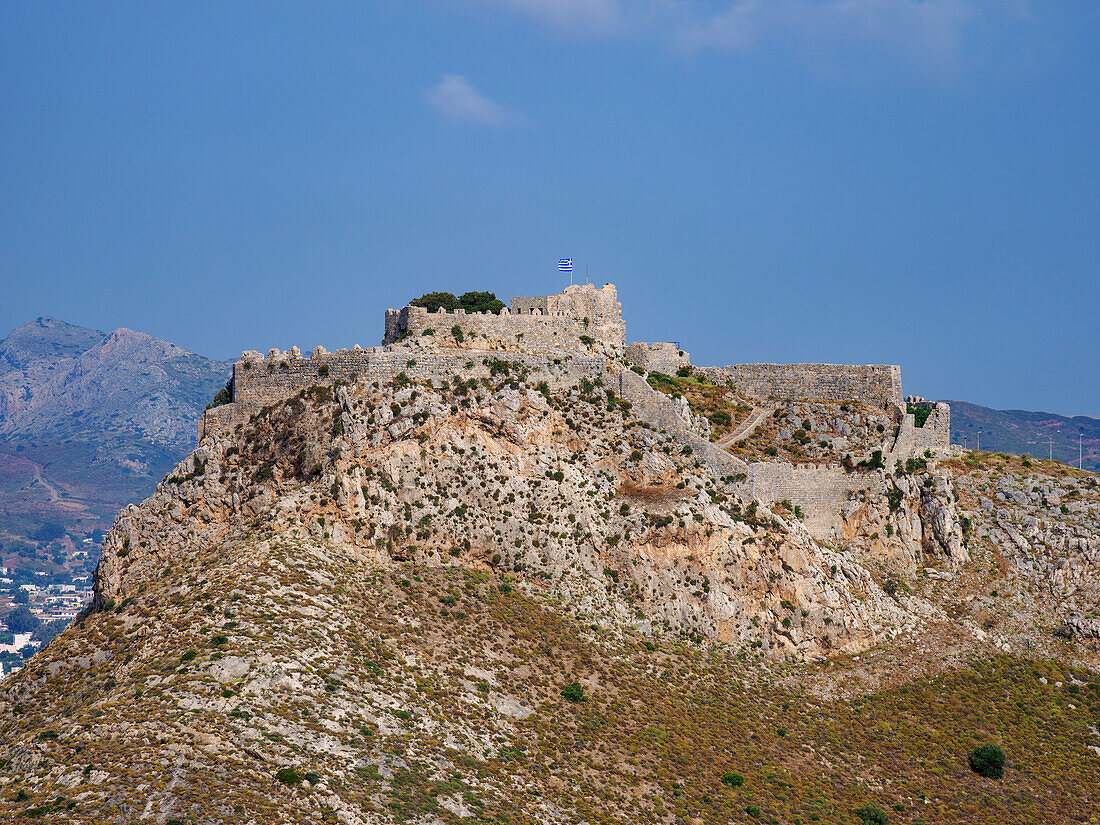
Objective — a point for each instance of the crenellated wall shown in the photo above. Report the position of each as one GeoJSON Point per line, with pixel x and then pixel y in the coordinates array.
{"type": "Point", "coordinates": [579, 319]}
{"type": "Point", "coordinates": [260, 381]}
{"type": "Point", "coordinates": [877, 385]}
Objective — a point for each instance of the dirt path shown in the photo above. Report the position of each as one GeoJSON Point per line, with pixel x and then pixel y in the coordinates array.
{"type": "Point", "coordinates": [757, 415]}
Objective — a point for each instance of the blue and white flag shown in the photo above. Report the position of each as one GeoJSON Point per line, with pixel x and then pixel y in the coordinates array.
{"type": "Point", "coordinates": [565, 265]}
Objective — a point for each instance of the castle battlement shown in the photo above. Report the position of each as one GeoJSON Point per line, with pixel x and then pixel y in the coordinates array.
{"type": "Point", "coordinates": [578, 319]}
{"type": "Point", "coordinates": [576, 332]}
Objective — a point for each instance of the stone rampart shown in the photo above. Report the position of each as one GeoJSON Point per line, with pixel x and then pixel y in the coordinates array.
{"type": "Point", "coordinates": [260, 381]}
{"type": "Point", "coordinates": [674, 417]}
{"type": "Point", "coordinates": [223, 419]}
{"type": "Point", "coordinates": [661, 356]}
{"type": "Point", "coordinates": [821, 491]}
{"type": "Point", "coordinates": [578, 320]}
{"type": "Point", "coordinates": [935, 433]}
{"type": "Point", "coordinates": [877, 385]}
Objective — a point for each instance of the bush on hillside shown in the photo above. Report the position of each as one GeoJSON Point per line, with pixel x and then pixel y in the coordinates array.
{"type": "Point", "coordinates": [988, 760]}
{"type": "Point", "coordinates": [870, 815]}
{"type": "Point", "coordinates": [288, 776]}
{"type": "Point", "coordinates": [573, 692]}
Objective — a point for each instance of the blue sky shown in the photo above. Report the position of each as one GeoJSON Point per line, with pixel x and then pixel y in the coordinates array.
{"type": "Point", "coordinates": [863, 181]}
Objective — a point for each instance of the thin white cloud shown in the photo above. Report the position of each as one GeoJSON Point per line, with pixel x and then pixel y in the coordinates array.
{"type": "Point", "coordinates": [578, 16]}
{"type": "Point", "coordinates": [454, 98]}
{"type": "Point", "coordinates": [928, 35]}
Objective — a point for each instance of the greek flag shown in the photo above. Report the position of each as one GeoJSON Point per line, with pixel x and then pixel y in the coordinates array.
{"type": "Point", "coordinates": [565, 265]}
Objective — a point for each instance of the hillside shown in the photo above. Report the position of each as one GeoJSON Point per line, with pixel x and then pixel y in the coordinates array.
{"type": "Point", "coordinates": [1027, 433]}
{"type": "Point", "coordinates": [89, 421]}
{"type": "Point", "coordinates": [503, 595]}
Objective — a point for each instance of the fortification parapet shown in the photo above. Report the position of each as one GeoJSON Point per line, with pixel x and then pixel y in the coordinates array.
{"type": "Point", "coordinates": [877, 385]}
{"type": "Point", "coordinates": [259, 382]}
{"type": "Point", "coordinates": [579, 319]}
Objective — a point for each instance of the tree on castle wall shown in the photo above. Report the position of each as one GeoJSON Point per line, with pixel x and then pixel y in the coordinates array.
{"type": "Point", "coordinates": [468, 301]}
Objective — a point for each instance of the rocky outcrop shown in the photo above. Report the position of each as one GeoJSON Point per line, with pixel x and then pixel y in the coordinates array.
{"type": "Point", "coordinates": [907, 521]}
{"type": "Point", "coordinates": [618, 517]}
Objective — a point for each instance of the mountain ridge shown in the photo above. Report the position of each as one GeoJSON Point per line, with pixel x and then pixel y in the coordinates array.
{"type": "Point", "coordinates": [89, 421]}
{"type": "Point", "coordinates": [1027, 432]}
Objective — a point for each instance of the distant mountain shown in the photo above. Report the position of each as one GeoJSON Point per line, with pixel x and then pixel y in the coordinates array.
{"type": "Point", "coordinates": [1021, 431]}
{"type": "Point", "coordinates": [90, 422]}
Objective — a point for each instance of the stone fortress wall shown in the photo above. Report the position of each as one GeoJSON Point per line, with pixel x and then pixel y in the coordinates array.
{"type": "Point", "coordinates": [661, 356]}
{"type": "Point", "coordinates": [935, 433]}
{"type": "Point", "coordinates": [545, 334]}
{"type": "Point", "coordinates": [260, 381]}
{"type": "Point", "coordinates": [548, 324]}
{"type": "Point", "coordinates": [877, 385]}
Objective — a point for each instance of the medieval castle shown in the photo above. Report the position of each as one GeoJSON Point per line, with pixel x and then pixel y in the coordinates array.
{"type": "Point", "coordinates": [579, 333]}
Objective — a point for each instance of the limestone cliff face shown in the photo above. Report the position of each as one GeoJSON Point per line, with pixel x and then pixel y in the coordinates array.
{"type": "Point", "coordinates": [562, 487]}
{"type": "Point", "coordinates": [907, 522]}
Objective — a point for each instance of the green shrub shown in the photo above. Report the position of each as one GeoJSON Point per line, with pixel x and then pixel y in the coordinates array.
{"type": "Point", "coordinates": [288, 776]}
{"type": "Point", "coordinates": [223, 396]}
{"type": "Point", "coordinates": [734, 780]}
{"type": "Point", "coordinates": [573, 692]}
{"type": "Point", "coordinates": [875, 462]}
{"type": "Point", "coordinates": [870, 815]}
{"type": "Point", "coordinates": [988, 760]}
{"type": "Point", "coordinates": [456, 331]}
{"type": "Point", "coordinates": [189, 655]}
{"type": "Point", "coordinates": [920, 413]}
{"type": "Point", "coordinates": [894, 497]}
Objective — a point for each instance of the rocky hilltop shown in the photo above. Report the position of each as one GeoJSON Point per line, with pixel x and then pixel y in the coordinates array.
{"type": "Point", "coordinates": [525, 590]}
{"type": "Point", "coordinates": [90, 420]}
{"type": "Point", "coordinates": [1074, 440]}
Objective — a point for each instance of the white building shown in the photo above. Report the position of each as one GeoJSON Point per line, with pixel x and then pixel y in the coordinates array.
{"type": "Point", "coordinates": [21, 641]}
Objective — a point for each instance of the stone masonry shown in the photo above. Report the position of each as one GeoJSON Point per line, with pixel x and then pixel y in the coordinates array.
{"type": "Point", "coordinates": [658, 357]}
{"type": "Point", "coordinates": [580, 319]}
{"type": "Point", "coordinates": [579, 333]}
{"type": "Point", "coordinates": [877, 385]}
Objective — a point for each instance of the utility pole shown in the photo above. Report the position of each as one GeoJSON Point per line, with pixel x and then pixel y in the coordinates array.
{"type": "Point", "coordinates": [1049, 439]}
